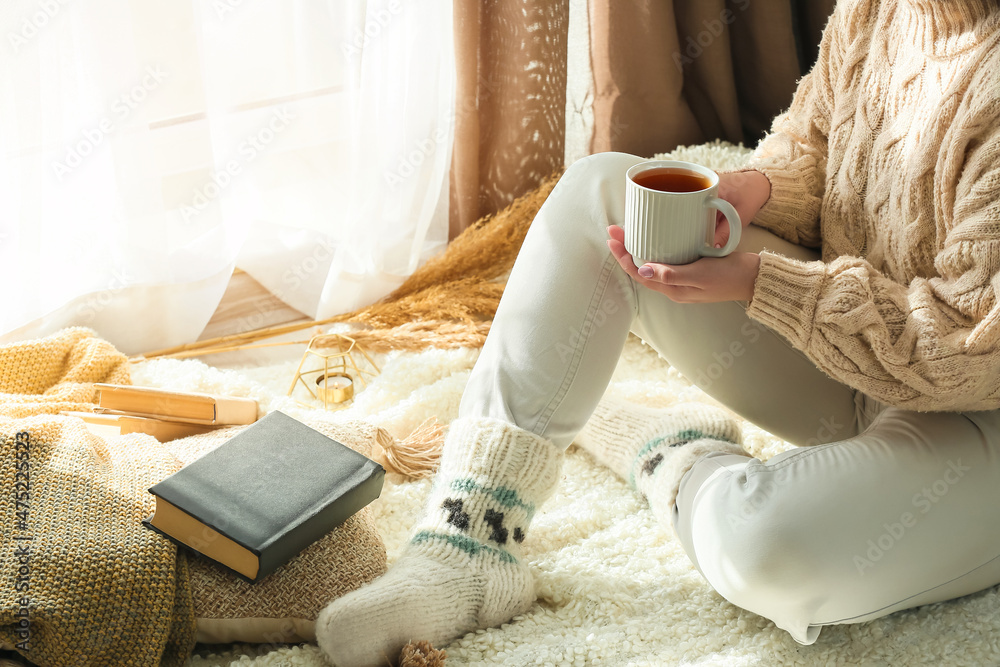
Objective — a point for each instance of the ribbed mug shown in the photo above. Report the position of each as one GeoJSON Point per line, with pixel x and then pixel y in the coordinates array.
{"type": "Point", "coordinates": [675, 227]}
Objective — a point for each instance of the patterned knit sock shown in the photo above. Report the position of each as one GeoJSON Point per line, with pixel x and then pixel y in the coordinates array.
{"type": "Point", "coordinates": [463, 569]}
{"type": "Point", "coordinates": [652, 449]}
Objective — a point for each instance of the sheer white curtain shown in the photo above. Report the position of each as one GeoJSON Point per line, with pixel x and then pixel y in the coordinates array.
{"type": "Point", "coordinates": [149, 146]}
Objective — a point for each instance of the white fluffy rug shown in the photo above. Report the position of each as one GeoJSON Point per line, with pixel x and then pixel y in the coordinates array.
{"type": "Point", "coordinates": [614, 587]}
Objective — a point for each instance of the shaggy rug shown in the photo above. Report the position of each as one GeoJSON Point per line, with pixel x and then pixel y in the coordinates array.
{"type": "Point", "coordinates": [614, 587]}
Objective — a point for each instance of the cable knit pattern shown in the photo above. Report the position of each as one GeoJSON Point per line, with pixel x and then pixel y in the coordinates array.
{"type": "Point", "coordinates": [889, 160]}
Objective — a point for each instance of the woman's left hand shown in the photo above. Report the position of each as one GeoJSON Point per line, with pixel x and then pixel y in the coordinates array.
{"type": "Point", "coordinates": [706, 280]}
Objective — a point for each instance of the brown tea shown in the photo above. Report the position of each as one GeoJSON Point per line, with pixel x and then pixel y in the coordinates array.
{"type": "Point", "coordinates": [672, 180]}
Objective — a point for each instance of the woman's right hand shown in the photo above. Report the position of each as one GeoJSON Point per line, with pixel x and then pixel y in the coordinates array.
{"type": "Point", "coordinates": [747, 191]}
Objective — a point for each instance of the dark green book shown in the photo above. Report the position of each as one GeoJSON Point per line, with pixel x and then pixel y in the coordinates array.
{"type": "Point", "coordinates": [264, 495]}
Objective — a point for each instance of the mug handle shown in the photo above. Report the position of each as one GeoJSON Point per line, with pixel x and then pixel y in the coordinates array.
{"type": "Point", "coordinates": [735, 228]}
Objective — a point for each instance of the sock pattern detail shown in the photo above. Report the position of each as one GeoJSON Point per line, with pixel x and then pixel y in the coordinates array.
{"type": "Point", "coordinates": [503, 496]}
{"type": "Point", "coordinates": [479, 515]}
{"type": "Point", "coordinates": [492, 479]}
{"type": "Point", "coordinates": [647, 466]}
{"type": "Point", "coordinates": [465, 544]}
{"type": "Point", "coordinates": [653, 448]}
{"type": "Point", "coordinates": [495, 521]}
{"type": "Point", "coordinates": [456, 516]}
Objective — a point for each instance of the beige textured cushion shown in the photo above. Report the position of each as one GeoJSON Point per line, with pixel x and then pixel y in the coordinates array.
{"type": "Point", "coordinates": [283, 606]}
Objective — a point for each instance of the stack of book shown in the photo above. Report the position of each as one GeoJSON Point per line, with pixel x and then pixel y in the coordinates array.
{"type": "Point", "coordinates": [165, 415]}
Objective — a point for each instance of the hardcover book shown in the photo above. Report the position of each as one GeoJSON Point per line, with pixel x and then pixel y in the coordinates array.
{"type": "Point", "coordinates": [181, 406]}
{"type": "Point", "coordinates": [264, 495]}
{"type": "Point", "coordinates": [106, 425]}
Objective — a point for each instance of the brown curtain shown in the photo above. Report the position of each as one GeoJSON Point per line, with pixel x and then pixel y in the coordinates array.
{"type": "Point", "coordinates": [671, 72]}
{"type": "Point", "coordinates": [510, 113]}
{"type": "Point", "coordinates": [665, 73]}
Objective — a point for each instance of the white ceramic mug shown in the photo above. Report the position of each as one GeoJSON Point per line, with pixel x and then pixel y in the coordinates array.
{"type": "Point", "coordinates": [675, 227]}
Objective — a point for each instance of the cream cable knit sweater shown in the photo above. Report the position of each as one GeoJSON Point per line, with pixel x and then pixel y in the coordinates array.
{"type": "Point", "coordinates": [889, 160]}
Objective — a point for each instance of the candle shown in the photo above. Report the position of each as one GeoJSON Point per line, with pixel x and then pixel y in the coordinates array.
{"type": "Point", "coordinates": [335, 387]}
{"type": "Point", "coordinates": [336, 382]}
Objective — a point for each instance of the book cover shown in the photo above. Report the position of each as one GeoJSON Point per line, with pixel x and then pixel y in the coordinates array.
{"type": "Point", "coordinates": [182, 406]}
{"type": "Point", "coordinates": [106, 425]}
{"type": "Point", "coordinates": [264, 495]}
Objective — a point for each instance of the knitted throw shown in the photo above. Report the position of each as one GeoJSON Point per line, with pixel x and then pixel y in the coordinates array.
{"type": "Point", "coordinates": [84, 583]}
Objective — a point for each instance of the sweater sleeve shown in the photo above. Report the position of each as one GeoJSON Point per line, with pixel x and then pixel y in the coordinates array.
{"type": "Point", "coordinates": [931, 345]}
{"type": "Point", "coordinates": [793, 154]}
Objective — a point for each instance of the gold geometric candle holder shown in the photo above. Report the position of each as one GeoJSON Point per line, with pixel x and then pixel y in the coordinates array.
{"type": "Point", "coordinates": [332, 362]}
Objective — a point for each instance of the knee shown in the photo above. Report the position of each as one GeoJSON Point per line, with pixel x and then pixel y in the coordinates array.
{"type": "Point", "coordinates": [764, 558]}
{"type": "Point", "coordinates": [603, 166]}
{"type": "Point", "coordinates": [594, 187]}
{"type": "Point", "coordinates": [770, 570]}
{"type": "Point", "coordinates": [594, 173]}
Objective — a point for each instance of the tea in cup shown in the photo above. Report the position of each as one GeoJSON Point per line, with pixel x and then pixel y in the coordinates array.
{"type": "Point", "coordinates": [670, 213]}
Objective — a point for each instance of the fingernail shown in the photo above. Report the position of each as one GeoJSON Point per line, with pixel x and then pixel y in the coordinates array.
{"type": "Point", "coordinates": [718, 245]}
{"type": "Point", "coordinates": [646, 271]}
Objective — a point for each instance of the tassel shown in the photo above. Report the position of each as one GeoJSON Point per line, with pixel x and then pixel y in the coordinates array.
{"type": "Point", "coordinates": [415, 456]}
{"type": "Point", "coordinates": [421, 654]}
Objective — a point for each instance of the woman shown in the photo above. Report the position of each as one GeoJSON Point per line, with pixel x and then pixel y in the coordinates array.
{"type": "Point", "coordinates": [882, 352]}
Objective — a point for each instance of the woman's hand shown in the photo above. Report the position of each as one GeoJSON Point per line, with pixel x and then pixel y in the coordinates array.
{"type": "Point", "coordinates": [706, 280]}
{"type": "Point", "coordinates": [747, 191]}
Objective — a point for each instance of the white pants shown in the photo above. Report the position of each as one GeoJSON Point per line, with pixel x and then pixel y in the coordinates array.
{"type": "Point", "coordinates": [884, 510]}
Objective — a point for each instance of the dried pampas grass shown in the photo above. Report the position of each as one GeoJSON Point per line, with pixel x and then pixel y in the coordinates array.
{"type": "Point", "coordinates": [414, 336]}
{"type": "Point", "coordinates": [465, 299]}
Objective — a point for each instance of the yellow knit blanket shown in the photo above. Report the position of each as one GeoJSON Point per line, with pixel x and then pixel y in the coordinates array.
{"type": "Point", "coordinates": [84, 583]}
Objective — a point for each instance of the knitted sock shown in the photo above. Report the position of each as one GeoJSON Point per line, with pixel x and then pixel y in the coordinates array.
{"type": "Point", "coordinates": [652, 449]}
{"type": "Point", "coordinates": [463, 569]}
